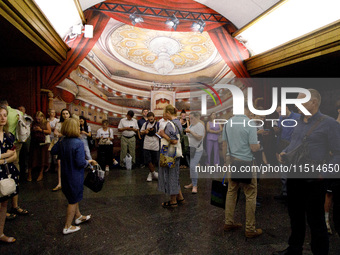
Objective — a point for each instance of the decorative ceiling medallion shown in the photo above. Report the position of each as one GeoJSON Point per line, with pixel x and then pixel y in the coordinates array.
{"type": "Point", "coordinates": [161, 52]}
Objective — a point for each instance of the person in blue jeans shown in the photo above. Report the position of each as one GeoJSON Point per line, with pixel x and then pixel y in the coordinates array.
{"type": "Point", "coordinates": [195, 134]}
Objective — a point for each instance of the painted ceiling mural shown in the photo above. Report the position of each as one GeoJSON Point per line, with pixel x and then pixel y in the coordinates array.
{"type": "Point", "coordinates": [131, 68]}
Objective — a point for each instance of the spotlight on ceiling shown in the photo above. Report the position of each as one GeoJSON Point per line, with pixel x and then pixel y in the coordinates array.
{"type": "Point", "coordinates": [198, 25]}
{"type": "Point", "coordinates": [136, 19]}
{"type": "Point", "coordinates": [173, 22]}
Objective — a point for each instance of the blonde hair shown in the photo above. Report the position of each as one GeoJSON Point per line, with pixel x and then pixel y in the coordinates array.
{"type": "Point", "coordinates": [170, 109]}
{"type": "Point", "coordinates": [70, 128]}
{"type": "Point", "coordinates": [40, 114]}
{"type": "Point", "coordinates": [3, 107]}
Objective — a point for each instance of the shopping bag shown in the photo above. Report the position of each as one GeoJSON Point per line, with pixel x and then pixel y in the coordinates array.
{"type": "Point", "coordinates": [128, 161]}
{"type": "Point", "coordinates": [218, 193]}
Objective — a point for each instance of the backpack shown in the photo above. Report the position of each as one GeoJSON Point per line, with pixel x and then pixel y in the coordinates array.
{"type": "Point", "coordinates": [155, 127]}
{"type": "Point", "coordinates": [23, 129]}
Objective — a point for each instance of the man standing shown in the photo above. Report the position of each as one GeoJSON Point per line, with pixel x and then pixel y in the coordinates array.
{"type": "Point", "coordinates": [140, 124]}
{"type": "Point", "coordinates": [151, 145]}
{"type": "Point", "coordinates": [306, 197]}
{"type": "Point", "coordinates": [12, 120]}
{"type": "Point", "coordinates": [239, 141]}
{"type": "Point", "coordinates": [284, 133]}
{"type": "Point", "coordinates": [129, 127]}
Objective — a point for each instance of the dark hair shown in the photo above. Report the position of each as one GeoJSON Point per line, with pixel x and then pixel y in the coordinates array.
{"type": "Point", "coordinates": [86, 129]}
{"type": "Point", "coordinates": [183, 111]}
{"type": "Point", "coordinates": [61, 115]}
{"type": "Point", "coordinates": [105, 121]}
{"type": "Point", "coordinates": [3, 101]}
{"type": "Point", "coordinates": [150, 114]}
{"type": "Point", "coordinates": [144, 110]}
{"type": "Point", "coordinates": [131, 113]}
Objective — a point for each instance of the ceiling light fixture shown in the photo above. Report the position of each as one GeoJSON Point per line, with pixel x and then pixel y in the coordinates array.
{"type": "Point", "coordinates": [198, 25]}
{"type": "Point", "coordinates": [136, 19]}
{"type": "Point", "coordinates": [173, 22]}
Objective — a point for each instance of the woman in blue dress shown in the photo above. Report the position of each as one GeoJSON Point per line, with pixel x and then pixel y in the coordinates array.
{"type": "Point", "coordinates": [70, 150]}
{"type": "Point", "coordinates": [7, 157]}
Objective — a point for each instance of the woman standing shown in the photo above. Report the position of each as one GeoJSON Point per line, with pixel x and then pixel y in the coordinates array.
{"type": "Point", "coordinates": [85, 132]}
{"type": "Point", "coordinates": [53, 122]}
{"type": "Point", "coordinates": [70, 150]}
{"type": "Point", "coordinates": [196, 134]}
{"type": "Point", "coordinates": [64, 115]}
{"type": "Point", "coordinates": [185, 123]}
{"type": "Point", "coordinates": [168, 178]}
{"type": "Point", "coordinates": [213, 130]}
{"type": "Point", "coordinates": [8, 155]}
{"type": "Point", "coordinates": [38, 148]}
{"type": "Point", "coordinates": [105, 150]}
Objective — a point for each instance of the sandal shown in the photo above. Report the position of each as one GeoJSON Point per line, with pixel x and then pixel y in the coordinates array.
{"type": "Point", "coordinates": [6, 239]}
{"type": "Point", "coordinates": [181, 201]}
{"type": "Point", "coordinates": [82, 219]}
{"type": "Point", "coordinates": [169, 205]}
{"type": "Point", "coordinates": [56, 188]}
{"type": "Point", "coordinates": [11, 216]}
{"type": "Point", "coordinates": [19, 211]}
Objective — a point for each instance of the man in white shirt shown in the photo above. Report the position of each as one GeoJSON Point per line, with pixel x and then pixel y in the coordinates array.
{"type": "Point", "coordinates": [129, 127]}
{"type": "Point", "coordinates": [151, 145]}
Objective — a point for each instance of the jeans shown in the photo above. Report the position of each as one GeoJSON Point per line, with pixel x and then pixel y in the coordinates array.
{"type": "Point", "coordinates": [86, 149]}
{"type": "Point", "coordinates": [193, 163]}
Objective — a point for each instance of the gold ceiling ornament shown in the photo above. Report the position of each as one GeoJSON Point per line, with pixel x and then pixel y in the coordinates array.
{"type": "Point", "coordinates": [162, 52]}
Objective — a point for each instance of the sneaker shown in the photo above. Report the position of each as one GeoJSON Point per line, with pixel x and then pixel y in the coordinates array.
{"type": "Point", "coordinates": [107, 169]}
{"type": "Point", "coordinates": [228, 227]}
{"type": "Point", "coordinates": [149, 179]}
{"type": "Point", "coordinates": [252, 234]}
{"type": "Point", "coordinates": [155, 175]}
{"type": "Point", "coordinates": [115, 162]}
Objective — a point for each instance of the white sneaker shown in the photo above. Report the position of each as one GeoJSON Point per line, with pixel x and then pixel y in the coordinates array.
{"type": "Point", "coordinates": [155, 175]}
{"type": "Point", "coordinates": [107, 169]}
{"type": "Point", "coordinates": [149, 179]}
{"type": "Point", "coordinates": [115, 162]}
{"type": "Point", "coordinates": [329, 229]}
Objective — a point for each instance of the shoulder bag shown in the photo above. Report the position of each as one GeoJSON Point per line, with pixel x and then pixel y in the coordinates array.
{"type": "Point", "coordinates": [7, 186]}
{"type": "Point", "coordinates": [169, 152]}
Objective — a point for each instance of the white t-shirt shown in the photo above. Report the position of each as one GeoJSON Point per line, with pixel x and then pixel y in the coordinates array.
{"type": "Point", "coordinates": [162, 123]}
{"type": "Point", "coordinates": [150, 142]}
{"type": "Point", "coordinates": [105, 134]}
{"type": "Point", "coordinates": [128, 123]}
{"type": "Point", "coordinates": [199, 130]}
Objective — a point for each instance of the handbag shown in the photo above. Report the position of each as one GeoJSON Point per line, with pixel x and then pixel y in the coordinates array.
{"type": "Point", "coordinates": [7, 186]}
{"type": "Point", "coordinates": [47, 140]}
{"type": "Point", "coordinates": [169, 152]}
{"type": "Point", "coordinates": [95, 178]}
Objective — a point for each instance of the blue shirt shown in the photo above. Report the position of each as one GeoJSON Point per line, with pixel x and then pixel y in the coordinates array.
{"type": "Point", "coordinates": [286, 132]}
{"type": "Point", "coordinates": [324, 138]}
{"type": "Point", "coordinates": [240, 136]}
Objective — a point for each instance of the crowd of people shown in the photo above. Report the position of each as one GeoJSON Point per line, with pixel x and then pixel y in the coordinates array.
{"type": "Point", "coordinates": [66, 142]}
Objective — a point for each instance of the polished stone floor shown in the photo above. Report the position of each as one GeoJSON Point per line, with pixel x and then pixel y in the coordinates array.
{"type": "Point", "coordinates": [128, 219]}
